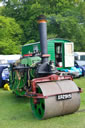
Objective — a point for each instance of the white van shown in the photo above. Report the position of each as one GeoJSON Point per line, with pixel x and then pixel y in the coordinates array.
{"type": "Point", "coordinates": [79, 56]}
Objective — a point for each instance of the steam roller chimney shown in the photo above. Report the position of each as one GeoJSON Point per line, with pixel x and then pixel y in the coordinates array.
{"type": "Point", "coordinates": [43, 37]}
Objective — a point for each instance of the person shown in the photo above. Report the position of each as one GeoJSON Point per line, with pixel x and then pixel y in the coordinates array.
{"type": "Point", "coordinates": [2, 82]}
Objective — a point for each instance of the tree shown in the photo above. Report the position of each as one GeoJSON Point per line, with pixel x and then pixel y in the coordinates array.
{"type": "Point", "coordinates": [10, 36]}
{"type": "Point", "coordinates": [26, 11]}
{"type": "Point", "coordinates": [65, 18]}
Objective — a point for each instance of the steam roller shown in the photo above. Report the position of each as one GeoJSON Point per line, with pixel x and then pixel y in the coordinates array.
{"type": "Point", "coordinates": [36, 77]}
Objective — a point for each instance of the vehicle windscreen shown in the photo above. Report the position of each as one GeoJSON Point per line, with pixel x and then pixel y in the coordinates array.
{"type": "Point", "coordinates": [82, 57]}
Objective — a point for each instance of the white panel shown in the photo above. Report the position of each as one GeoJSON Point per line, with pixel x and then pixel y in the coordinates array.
{"type": "Point", "coordinates": [69, 54]}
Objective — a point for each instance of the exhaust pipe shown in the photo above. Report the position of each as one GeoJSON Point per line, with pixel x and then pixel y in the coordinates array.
{"type": "Point", "coordinates": [43, 37]}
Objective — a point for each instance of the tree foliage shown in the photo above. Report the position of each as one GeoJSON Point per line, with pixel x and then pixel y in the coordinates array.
{"type": "Point", "coordinates": [66, 19]}
{"type": "Point", "coordinates": [10, 36]}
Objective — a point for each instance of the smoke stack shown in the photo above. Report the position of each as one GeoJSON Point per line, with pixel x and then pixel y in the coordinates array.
{"type": "Point", "coordinates": [43, 37]}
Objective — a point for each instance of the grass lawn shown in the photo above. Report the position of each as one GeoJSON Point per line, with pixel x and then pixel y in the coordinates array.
{"type": "Point", "coordinates": [16, 112]}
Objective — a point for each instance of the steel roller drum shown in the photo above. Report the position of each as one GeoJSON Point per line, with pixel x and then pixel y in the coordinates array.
{"type": "Point", "coordinates": [51, 106]}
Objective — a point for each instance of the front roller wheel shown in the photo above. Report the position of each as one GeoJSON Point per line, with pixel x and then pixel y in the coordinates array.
{"type": "Point", "coordinates": [39, 108]}
{"type": "Point", "coordinates": [51, 106]}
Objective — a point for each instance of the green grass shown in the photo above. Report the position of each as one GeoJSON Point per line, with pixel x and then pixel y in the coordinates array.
{"type": "Point", "coordinates": [16, 112]}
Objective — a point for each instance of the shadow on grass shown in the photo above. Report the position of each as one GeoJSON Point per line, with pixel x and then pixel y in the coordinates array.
{"type": "Point", "coordinates": [9, 95]}
{"type": "Point", "coordinates": [20, 99]}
